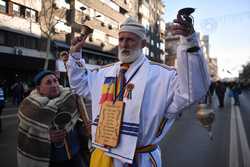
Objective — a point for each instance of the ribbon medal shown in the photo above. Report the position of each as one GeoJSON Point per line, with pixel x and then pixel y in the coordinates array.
{"type": "Point", "coordinates": [128, 91]}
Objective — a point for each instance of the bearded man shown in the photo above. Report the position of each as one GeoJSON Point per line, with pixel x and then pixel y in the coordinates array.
{"type": "Point", "coordinates": [135, 101]}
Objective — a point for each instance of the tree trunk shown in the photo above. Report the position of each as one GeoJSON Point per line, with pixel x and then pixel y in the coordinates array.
{"type": "Point", "coordinates": [46, 63]}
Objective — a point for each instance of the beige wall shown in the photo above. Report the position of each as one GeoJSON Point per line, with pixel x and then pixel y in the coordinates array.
{"type": "Point", "coordinates": [18, 24]}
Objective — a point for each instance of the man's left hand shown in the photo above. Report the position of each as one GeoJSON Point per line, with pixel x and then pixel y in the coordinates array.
{"type": "Point", "coordinates": [182, 26]}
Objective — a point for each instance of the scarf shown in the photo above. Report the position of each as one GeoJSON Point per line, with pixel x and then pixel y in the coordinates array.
{"type": "Point", "coordinates": [36, 114]}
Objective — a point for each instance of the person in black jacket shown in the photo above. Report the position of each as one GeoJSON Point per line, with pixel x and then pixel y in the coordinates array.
{"type": "Point", "coordinates": [220, 90]}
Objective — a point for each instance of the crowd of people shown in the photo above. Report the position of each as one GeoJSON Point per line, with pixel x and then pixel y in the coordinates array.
{"type": "Point", "coordinates": [220, 89]}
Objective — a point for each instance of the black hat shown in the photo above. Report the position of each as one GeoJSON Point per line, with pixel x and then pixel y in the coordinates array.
{"type": "Point", "coordinates": [40, 75]}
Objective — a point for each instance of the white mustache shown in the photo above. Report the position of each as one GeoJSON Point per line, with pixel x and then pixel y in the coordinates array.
{"type": "Point", "coordinates": [126, 51]}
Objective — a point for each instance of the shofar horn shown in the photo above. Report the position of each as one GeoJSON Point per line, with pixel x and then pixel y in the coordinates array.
{"type": "Point", "coordinates": [86, 30]}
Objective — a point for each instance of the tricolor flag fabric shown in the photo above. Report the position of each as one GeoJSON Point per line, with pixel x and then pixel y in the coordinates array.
{"type": "Point", "coordinates": [112, 86]}
{"type": "Point", "coordinates": [108, 90]}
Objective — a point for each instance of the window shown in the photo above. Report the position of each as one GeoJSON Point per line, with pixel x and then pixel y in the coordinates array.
{"type": "Point", "coordinates": [27, 13]}
{"type": "Point", "coordinates": [33, 15]}
{"type": "Point", "coordinates": [91, 38]}
{"type": "Point", "coordinates": [2, 38]}
{"type": "Point", "coordinates": [145, 51]}
{"type": "Point", "coordinates": [22, 11]}
{"type": "Point", "coordinates": [31, 43]}
{"type": "Point", "coordinates": [112, 22]}
{"type": "Point", "coordinates": [123, 11]}
{"type": "Point", "coordinates": [152, 42]}
{"type": "Point", "coordinates": [110, 26]}
{"type": "Point", "coordinates": [3, 6]}
{"type": "Point", "coordinates": [152, 54]}
{"type": "Point", "coordinates": [20, 41]}
{"type": "Point", "coordinates": [16, 10]}
{"type": "Point", "coordinates": [92, 61]}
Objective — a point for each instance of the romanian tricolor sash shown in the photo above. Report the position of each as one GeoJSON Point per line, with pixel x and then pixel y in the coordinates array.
{"type": "Point", "coordinates": [113, 86]}
{"type": "Point", "coordinates": [108, 90]}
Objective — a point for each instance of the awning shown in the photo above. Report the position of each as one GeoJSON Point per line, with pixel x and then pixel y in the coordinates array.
{"type": "Point", "coordinates": [61, 44]}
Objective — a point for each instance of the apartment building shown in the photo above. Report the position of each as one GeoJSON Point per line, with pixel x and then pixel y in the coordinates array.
{"type": "Point", "coordinates": [171, 43]}
{"type": "Point", "coordinates": [21, 48]}
{"type": "Point", "coordinates": [150, 14]}
{"type": "Point", "coordinates": [212, 62]}
{"type": "Point", "coordinates": [105, 17]}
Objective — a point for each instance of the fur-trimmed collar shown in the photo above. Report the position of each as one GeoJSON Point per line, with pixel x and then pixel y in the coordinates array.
{"type": "Point", "coordinates": [44, 100]}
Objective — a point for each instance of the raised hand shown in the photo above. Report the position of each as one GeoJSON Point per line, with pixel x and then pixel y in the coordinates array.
{"type": "Point", "coordinates": [183, 25]}
{"type": "Point", "coordinates": [77, 43]}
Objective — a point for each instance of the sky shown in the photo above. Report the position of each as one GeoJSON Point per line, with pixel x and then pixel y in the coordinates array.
{"type": "Point", "coordinates": [227, 22]}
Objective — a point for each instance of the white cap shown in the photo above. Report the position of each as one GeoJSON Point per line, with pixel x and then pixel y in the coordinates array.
{"type": "Point", "coordinates": [131, 25]}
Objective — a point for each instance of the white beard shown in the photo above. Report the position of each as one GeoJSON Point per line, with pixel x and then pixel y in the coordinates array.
{"type": "Point", "coordinates": [129, 55]}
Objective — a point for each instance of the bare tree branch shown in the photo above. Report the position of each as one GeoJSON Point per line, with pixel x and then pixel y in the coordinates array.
{"type": "Point", "coordinates": [48, 23]}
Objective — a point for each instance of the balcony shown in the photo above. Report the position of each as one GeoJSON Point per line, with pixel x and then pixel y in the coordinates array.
{"type": "Point", "coordinates": [104, 9]}
{"type": "Point", "coordinates": [20, 25]}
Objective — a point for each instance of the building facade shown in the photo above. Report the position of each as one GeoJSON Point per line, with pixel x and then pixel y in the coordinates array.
{"type": "Point", "coordinates": [105, 17]}
{"type": "Point", "coordinates": [150, 14]}
{"type": "Point", "coordinates": [22, 51]}
{"type": "Point", "coordinates": [212, 62]}
{"type": "Point", "coordinates": [171, 43]}
{"type": "Point", "coordinates": [24, 43]}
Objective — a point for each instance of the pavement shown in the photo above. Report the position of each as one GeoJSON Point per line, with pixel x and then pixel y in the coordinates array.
{"type": "Point", "coordinates": [10, 110]}
{"type": "Point", "coordinates": [8, 136]}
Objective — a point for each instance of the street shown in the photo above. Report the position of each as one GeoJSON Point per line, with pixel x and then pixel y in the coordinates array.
{"type": "Point", "coordinates": [8, 138]}
{"type": "Point", "coordinates": [187, 144]}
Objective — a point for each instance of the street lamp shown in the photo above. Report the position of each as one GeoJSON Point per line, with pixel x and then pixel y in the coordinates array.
{"type": "Point", "coordinates": [86, 30]}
